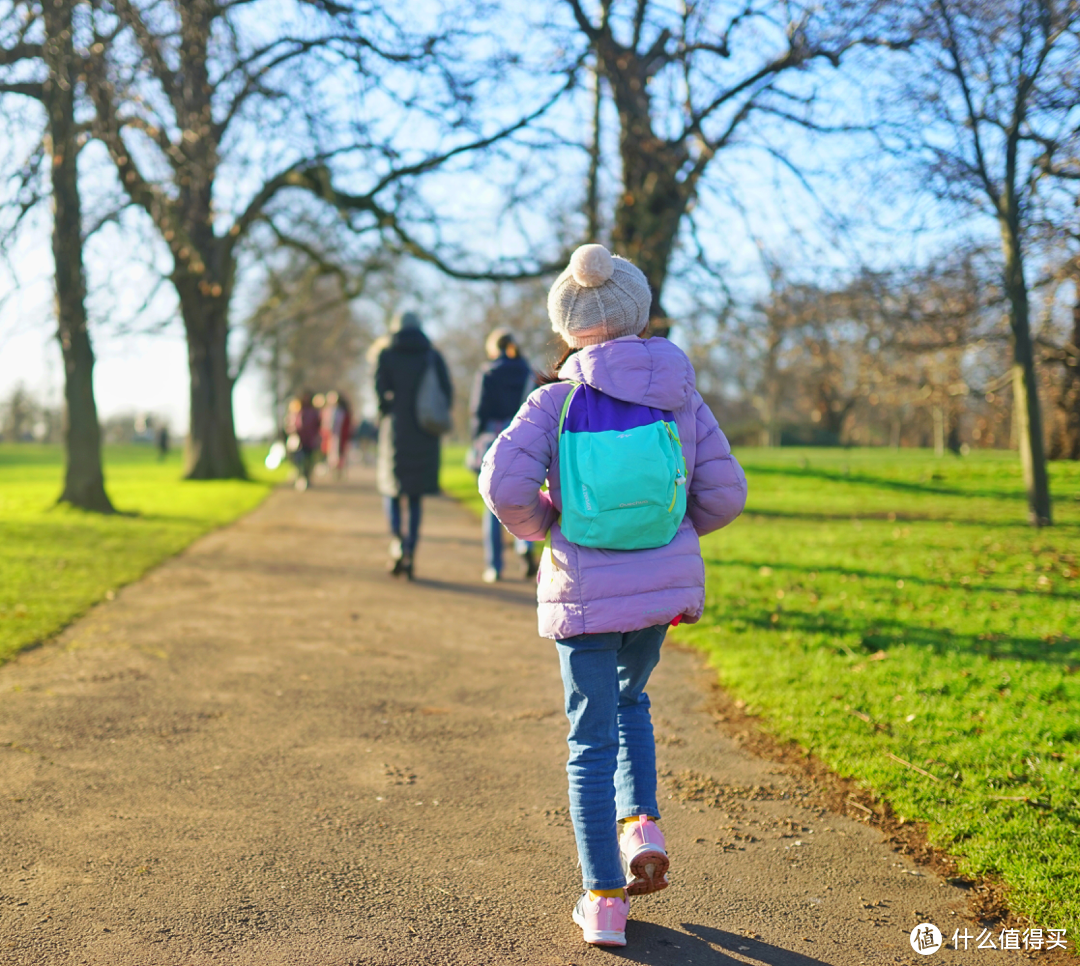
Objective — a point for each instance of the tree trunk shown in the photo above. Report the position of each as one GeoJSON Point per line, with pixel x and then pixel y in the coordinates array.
{"type": "Point", "coordinates": [1065, 444]}
{"type": "Point", "coordinates": [212, 451]}
{"type": "Point", "coordinates": [770, 432]}
{"type": "Point", "coordinates": [653, 199]}
{"type": "Point", "coordinates": [84, 482]}
{"type": "Point", "coordinates": [592, 186]}
{"type": "Point", "coordinates": [648, 214]}
{"type": "Point", "coordinates": [1025, 387]}
{"type": "Point", "coordinates": [939, 429]}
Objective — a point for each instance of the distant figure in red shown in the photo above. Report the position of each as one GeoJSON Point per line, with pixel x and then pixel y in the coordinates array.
{"type": "Point", "coordinates": [336, 432]}
{"type": "Point", "coordinates": [304, 427]}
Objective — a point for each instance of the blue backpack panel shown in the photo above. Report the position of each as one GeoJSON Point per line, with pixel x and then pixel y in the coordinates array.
{"type": "Point", "coordinates": [622, 472]}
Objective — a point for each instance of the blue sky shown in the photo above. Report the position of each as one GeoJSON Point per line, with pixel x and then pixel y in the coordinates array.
{"type": "Point", "coordinates": [859, 209]}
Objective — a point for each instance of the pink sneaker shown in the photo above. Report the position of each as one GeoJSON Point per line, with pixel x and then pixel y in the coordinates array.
{"type": "Point", "coordinates": [644, 858]}
{"type": "Point", "coordinates": [603, 920]}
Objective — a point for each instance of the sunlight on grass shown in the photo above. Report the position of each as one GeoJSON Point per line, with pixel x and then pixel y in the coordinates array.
{"type": "Point", "coordinates": [55, 561]}
{"type": "Point", "coordinates": [873, 604]}
{"type": "Point", "coordinates": [457, 481]}
{"type": "Point", "coordinates": [876, 605]}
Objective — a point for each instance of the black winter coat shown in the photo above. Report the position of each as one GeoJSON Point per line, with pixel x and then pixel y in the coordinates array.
{"type": "Point", "coordinates": [498, 392]}
{"type": "Point", "coordinates": [408, 461]}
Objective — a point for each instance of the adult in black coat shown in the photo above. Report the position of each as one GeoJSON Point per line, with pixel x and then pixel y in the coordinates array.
{"type": "Point", "coordinates": [501, 386]}
{"type": "Point", "coordinates": [408, 458]}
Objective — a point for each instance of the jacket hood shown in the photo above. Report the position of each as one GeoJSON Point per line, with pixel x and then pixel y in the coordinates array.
{"type": "Point", "coordinates": [650, 372]}
{"type": "Point", "coordinates": [410, 340]}
{"type": "Point", "coordinates": [505, 362]}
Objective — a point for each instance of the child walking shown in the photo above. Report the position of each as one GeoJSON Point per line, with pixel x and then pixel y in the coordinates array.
{"type": "Point", "coordinates": [620, 466]}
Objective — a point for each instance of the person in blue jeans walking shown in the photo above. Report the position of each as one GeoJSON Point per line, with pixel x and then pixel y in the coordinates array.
{"type": "Point", "coordinates": [500, 387]}
{"type": "Point", "coordinates": [608, 609]}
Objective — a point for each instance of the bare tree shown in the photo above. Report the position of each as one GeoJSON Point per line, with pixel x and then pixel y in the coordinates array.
{"type": "Point", "coordinates": [815, 352]}
{"type": "Point", "coordinates": [45, 34]}
{"type": "Point", "coordinates": [687, 83]}
{"type": "Point", "coordinates": [23, 417]}
{"type": "Point", "coordinates": [305, 333]}
{"type": "Point", "coordinates": [1064, 355]}
{"type": "Point", "coordinates": [983, 85]}
{"type": "Point", "coordinates": [897, 357]}
{"type": "Point", "coordinates": [520, 307]}
{"type": "Point", "coordinates": [165, 109]}
{"type": "Point", "coordinates": [180, 98]}
{"type": "Point", "coordinates": [1059, 205]}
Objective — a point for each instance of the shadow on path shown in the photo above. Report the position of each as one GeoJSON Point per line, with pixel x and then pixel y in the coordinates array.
{"type": "Point", "coordinates": [653, 945]}
{"type": "Point", "coordinates": [507, 593]}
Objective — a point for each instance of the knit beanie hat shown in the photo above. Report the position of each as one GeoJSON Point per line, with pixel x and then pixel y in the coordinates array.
{"type": "Point", "coordinates": [598, 297]}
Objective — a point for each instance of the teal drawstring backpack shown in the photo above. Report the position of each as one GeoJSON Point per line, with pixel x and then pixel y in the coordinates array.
{"type": "Point", "coordinates": [622, 472]}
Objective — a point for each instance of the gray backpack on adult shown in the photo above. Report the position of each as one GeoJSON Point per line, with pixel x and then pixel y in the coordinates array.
{"type": "Point", "coordinates": [432, 404]}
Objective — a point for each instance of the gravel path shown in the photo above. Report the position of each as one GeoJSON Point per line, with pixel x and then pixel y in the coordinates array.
{"type": "Point", "coordinates": [269, 752]}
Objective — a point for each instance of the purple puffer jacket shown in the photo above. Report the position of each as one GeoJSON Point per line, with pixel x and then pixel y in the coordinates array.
{"type": "Point", "coordinates": [582, 590]}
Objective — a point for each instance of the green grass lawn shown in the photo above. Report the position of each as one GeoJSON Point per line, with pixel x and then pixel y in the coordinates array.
{"type": "Point", "coordinates": [457, 481]}
{"type": "Point", "coordinates": [55, 561]}
{"type": "Point", "coordinates": [876, 605]}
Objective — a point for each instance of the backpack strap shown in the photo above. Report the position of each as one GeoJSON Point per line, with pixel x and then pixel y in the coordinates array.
{"type": "Point", "coordinates": [562, 419]}
{"type": "Point", "coordinates": [566, 405]}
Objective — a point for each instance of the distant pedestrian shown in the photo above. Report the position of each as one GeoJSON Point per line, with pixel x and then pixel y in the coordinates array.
{"type": "Point", "coordinates": [304, 427]}
{"type": "Point", "coordinates": [335, 416]}
{"type": "Point", "coordinates": [408, 458]}
{"type": "Point", "coordinates": [340, 435]}
{"type": "Point", "coordinates": [367, 440]}
{"type": "Point", "coordinates": [498, 391]}
{"type": "Point", "coordinates": [636, 470]}
{"type": "Point", "coordinates": [326, 423]}
{"type": "Point", "coordinates": [163, 443]}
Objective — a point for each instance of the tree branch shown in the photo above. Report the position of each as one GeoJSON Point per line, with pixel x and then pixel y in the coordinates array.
{"type": "Point", "coordinates": [149, 44]}
{"type": "Point", "coordinates": [583, 21]}
{"type": "Point", "coordinates": [34, 89]}
{"type": "Point", "coordinates": [788, 59]}
{"type": "Point", "coordinates": [107, 128]}
{"type": "Point", "coordinates": [961, 77]}
{"type": "Point", "coordinates": [19, 52]}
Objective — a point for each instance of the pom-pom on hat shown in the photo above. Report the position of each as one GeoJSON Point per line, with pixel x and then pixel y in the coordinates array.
{"type": "Point", "coordinates": [598, 297]}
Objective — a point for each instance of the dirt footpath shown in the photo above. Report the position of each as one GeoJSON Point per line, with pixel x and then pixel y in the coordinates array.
{"type": "Point", "coordinates": [269, 752]}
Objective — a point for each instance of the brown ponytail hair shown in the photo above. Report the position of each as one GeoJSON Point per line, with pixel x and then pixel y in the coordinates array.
{"type": "Point", "coordinates": [552, 375]}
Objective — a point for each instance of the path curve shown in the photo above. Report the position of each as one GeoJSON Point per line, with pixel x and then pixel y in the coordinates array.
{"type": "Point", "coordinates": [269, 752]}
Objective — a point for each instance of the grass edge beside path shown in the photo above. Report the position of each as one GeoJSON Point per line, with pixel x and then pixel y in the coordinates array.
{"type": "Point", "coordinates": [56, 562]}
{"type": "Point", "coordinates": [893, 614]}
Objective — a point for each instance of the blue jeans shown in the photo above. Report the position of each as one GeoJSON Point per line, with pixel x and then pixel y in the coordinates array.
{"type": "Point", "coordinates": [305, 461]}
{"type": "Point", "coordinates": [492, 534]}
{"type": "Point", "coordinates": [393, 515]}
{"type": "Point", "coordinates": [612, 764]}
